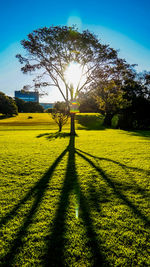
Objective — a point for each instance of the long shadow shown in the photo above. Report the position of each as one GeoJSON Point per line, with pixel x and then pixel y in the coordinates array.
{"type": "Point", "coordinates": [116, 191]}
{"type": "Point", "coordinates": [57, 238]}
{"type": "Point", "coordinates": [51, 136]}
{"type": "Point", "coordinates": [56, 242]}
{"type": "Point", "coordinates": [125, 168]}
{"type": "Point", "coordinates": [38, 192]}
{"type": "Point", "coordinates": [142, 133]}
{"type": "Point", "coordinates": [2, 117]}
{"type": "Point", "coordinates": [114, 161]}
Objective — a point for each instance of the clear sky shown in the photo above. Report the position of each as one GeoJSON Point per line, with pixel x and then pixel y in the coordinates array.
{"type": "Point", "coordinates": [123, 24]}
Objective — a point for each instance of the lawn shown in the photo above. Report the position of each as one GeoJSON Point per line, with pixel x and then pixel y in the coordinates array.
{"type": "Point", "coordinates": [67, 201]}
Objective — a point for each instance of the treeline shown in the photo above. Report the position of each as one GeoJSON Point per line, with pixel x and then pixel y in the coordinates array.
{"type": "Point", "coordinates": [28, 107]}
{"type": "Point", "coordinates": [124, 100]}
{"type": "Point", "coordinates": [10, 106]}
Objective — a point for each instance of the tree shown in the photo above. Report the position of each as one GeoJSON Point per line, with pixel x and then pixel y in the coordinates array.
{"type": "Point", "coordinates": [50, 52]}
{"type": "Point", "coordinates": [88, 103]}
{"type": "Point", "coordinates": [60, 114]}
{"type": "Point", "coordinates": [33, 107]}
{"type": "Point", "coordinates": [107, 88]}
{"type": "Point", "coordinates": [110, 98]}
{"type": "Point", "coordinates": [7, 105]}
{"type": "Point", "coordinates": [60, 106]}
{"type": "Point", "coordinates": [137, 91]}
{"type": "Point", "coordinates": [20, 104]}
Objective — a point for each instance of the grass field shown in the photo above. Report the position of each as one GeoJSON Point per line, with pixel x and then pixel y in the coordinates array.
{"type": "Point", "coordinates": [67, 201]}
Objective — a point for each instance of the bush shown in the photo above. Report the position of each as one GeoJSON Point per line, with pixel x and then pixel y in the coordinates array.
{"type": "Point", "coordinates": [114, 121]}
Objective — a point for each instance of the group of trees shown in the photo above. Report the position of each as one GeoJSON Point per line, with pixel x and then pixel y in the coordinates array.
{"type": "Point", "coordinates": [28, 107]}
{"type": "Point", "coordinates": [10, 106]}
{"type": "Point", "coordinates": [129, 100]}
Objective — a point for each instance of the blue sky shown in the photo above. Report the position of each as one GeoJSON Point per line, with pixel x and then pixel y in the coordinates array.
{"type": "Point", "coordinates": [123, 24]}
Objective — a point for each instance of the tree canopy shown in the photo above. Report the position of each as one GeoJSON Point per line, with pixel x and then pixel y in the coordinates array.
{"type": "Point", "coordinates": [51, 50]}
{"type": "Point", "coordinates": [7, 105]}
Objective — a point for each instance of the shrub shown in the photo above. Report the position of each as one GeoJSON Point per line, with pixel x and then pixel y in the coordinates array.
{"type": "Point", "coordinates": [114, 121]}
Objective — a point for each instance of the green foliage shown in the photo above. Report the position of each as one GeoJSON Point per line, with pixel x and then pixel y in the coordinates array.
{"type": "Point", "coordinates": [110, 98]}
{"type": "Point", "coordinates": [32, 107]}
{"type": "Point", "coordinates": [20, 104]}
{"type": "Point", "coordinates": [7, 105]}
{"type": "Point", "coordinates": [87, 103]}
{"type": "Point", "coordinates": [60, 106]}
{"type": "Point", "coordinates": [91, 121]}
{"type": "Point", "coordinates": [28, 107]}
{"type": "Point", "coordinates": [114, 121]}
{"type": "Point", "coordinates": [102, 174]}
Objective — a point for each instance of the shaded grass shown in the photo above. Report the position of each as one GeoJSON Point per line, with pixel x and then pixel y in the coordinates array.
{"type": "Point", "coordinates": [102, 175]}
{"type": "Point", "coordinates": [140, 133]}
{"type": "Point", "coordinates": [90, 121]}
{"type": "Point", "coordinates": [52, 136]}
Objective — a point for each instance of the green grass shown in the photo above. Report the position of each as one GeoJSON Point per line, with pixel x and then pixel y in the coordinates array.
{"type": "Point", "coordinates": [45, 178]}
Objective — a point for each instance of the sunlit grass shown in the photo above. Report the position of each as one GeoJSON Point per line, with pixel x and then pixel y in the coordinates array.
{"type": "Point", "coordinates": [43, 180]}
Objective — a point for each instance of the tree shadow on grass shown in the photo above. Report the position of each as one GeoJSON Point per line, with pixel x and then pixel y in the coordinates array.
{"type": "Point", "coordinates": [141, 133]}
{"type": "Point", "coordinates": [92, 128]}
{"type": "Point", "coordinates": [55, 245]}
{"type": "Point", "coordinates": [2, 117]}
{"type": "Point", "coordinates": [113, 185]}
{"type": "Point", "coordinates": [38, 192]}
{"type": "Point", "coordinates": [126, 169]}
{"type": "Point", "coordinates": [51, 136]}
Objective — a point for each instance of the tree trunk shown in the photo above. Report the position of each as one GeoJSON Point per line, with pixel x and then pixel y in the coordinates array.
{"type": "Point", "coordinates": [72, 129]}
{"type": "Point", "coordinates": [107, 120]}
{"type": "Point", "coordinates": [60, 127]}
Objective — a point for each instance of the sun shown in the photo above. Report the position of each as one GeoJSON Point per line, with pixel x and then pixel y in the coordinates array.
{"type": "Point", "coordinates": [73, 74]}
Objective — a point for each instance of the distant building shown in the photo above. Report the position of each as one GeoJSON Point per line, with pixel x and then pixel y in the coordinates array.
{"type": "Point", "coordinates": [47, 105]}
{"type": "Point", "coordinates": [27, 96]}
